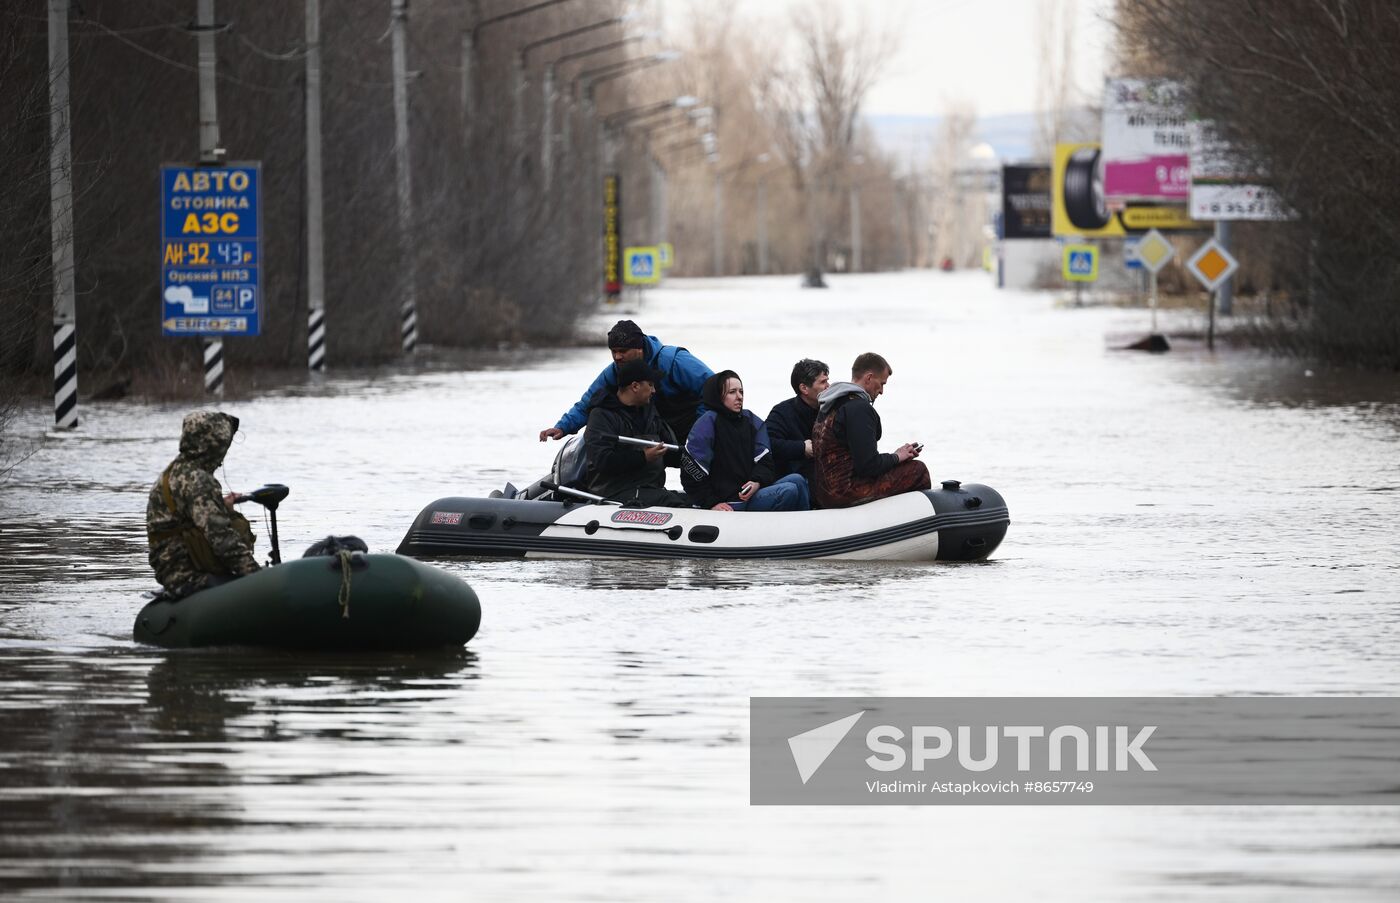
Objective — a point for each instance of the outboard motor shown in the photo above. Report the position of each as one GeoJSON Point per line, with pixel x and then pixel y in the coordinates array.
{"type": "Point", "coordinates": [568, 470]}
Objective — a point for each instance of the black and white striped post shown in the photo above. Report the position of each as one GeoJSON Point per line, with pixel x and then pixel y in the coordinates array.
{"type": "Point", "coordinates": [408, 312]}
{"type": "Point", "coordinates": [209, 152]}
{"type": "Point", "coordinates": [316, 340]}
{"type": "Point", "coordinates": [65, 375]}
{"type": "Point", "coordinates": [213, 365]}
{"type": "Point", "coordinates": [315, 256]}
{"type": "Point", "coordinates": [65, 308]}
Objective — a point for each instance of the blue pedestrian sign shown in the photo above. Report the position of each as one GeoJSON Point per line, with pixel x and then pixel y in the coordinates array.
{"type": "Point", "coordinates": [641, 266]}
{"type": "Point", "coordinates": [210, 250]}
{"type": "Point", "coordinates": [1081, 263]}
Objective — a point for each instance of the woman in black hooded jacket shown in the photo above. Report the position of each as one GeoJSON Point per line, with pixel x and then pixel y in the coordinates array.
{"type": "Point", "coordinates": [728, 463]}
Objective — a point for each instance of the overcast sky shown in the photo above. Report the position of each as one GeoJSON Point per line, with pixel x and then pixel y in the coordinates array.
{"type": "Point", "coordinates": [982, 52]}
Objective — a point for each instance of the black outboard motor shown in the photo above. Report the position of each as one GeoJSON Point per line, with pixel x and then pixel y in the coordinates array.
{"type": "Point", "coordinates": [269, 496]}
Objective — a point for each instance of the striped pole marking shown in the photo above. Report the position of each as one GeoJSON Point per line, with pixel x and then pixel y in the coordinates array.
{"type": "Point", "coordinates": [65, 375]}
{"type": "Point", "coordinates": [409, 329]}
{"type": "Point", "coordinates": [316, 340]}
{"type": "Point", "coordinates": [214, 366]}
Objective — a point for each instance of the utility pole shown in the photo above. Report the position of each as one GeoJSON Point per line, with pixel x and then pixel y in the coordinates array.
{"type": "Point", "coordinates": [408, 312]}
{"type": "Point", "coordinates": [855, 229]}
{"type": "Point", "coordinates": [209, 152]}
{"type": "Point", "coordinates": [65, 308]}
{"type": "Point", "coordinates": [718, 236]}
{"type": "Point", "coordinates": [547, 141]}
{"type": "Point", "coordinates": [762, 225]}
{"type": "Point", "coordinates": [315, 257]}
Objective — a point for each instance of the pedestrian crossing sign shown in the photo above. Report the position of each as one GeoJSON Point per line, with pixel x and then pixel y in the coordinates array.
{"type": "Point", "coordinates": [641, 266]}
{"type": "Point", "coordinates": [1080, 263]}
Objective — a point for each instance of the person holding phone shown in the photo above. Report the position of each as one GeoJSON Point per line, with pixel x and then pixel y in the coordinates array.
{"type": "Point", "coordinates": [850, 469]}
{"type": "Point", "coordinates": [728, 462]}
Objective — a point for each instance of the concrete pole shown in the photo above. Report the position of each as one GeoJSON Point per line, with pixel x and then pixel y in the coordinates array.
{"type": "Point", "coordinates": [762, 226]}
{"type": "Point", "coordinates": [65, 307]}
{"type": "Point", "coordinates": [408, 311]}
{"type": "Point", "coordinates": [718, 236]}
{"type": "Point", "coordinates": [855, 229]}
{"type": "Point", "coordinates": [517, 110]}
{"type": "Point", "coordinates": [547, 128]}
{"type": "Point", "coordinates": [1226, 292]}
{"type": "Point", "coordinates": [468, 86]}
{"type": "Point", "coordinates": [654, 215]}
{"type": "Point", "coordinates": [209, 152]}
{"type": "Point", "coordinates": [315, 243]}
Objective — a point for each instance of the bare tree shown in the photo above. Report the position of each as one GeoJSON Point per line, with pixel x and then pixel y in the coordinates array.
{"type": "Point", "coordinates": [1306, 91]}
{"type": "Point", "coordinates": [1054, 88]}
{"type": "Point", "coordinates": [814, 105]}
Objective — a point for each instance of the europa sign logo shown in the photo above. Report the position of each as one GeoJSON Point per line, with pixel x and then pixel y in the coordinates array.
{"type": "Point", "coordinates": [1032, 747]}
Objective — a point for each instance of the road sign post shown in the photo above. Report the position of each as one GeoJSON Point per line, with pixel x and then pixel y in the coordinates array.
{"type": "Point", "coordinates": [1212, 265]}
{"type": "Point", "coordinates": [641, 266]}
{"type": "Point", "coordinates": [1154, 252]}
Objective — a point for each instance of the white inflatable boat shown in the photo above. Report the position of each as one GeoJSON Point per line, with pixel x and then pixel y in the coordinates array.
{"type": "Point", "coordinates": [951, 523]}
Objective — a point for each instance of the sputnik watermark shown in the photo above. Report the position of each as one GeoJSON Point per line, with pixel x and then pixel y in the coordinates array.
{"type": "Point", "coordinates": [1075, 750]}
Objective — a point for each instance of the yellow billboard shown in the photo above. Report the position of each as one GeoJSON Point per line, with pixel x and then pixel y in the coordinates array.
{"type": "Point", "coordinates": [1078, 206]}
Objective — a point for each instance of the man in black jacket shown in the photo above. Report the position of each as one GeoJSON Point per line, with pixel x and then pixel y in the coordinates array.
{"type": "Point", "coordinates": [790, 422]}
{"type": "Point", "coordinates": [620, 471]}
{"type": "Point", "coordinates": [850, 469]}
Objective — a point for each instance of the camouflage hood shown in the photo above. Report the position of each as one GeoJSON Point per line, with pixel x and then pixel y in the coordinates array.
{"type": "Point", "coordinates": [205, 438]}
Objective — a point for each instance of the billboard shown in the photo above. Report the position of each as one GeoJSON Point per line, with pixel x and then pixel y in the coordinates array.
{"type": "Point", "coordinates": [1223, 186]}
{"type": "Point", "coordinates": [612, 237]}
{"type": "Point", "coordinates": [1145, 142]}
{"type": "Point", "coordinates": [1025, 201]}
{"type": "Point", "coordinates": [210, 250]}
{"type": "Point", "coordinates": [1079, 206]}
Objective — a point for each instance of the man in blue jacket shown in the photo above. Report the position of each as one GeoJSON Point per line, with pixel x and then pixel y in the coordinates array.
{"type": "Point", "coordinates": [677, 396]}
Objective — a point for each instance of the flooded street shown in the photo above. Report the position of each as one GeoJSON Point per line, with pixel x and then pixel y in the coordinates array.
{"type": "Point", "coordinates": [1183, 524]}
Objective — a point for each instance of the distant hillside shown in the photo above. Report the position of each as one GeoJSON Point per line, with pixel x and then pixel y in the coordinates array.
{"type": "Point", "coordinates": [913, 138]}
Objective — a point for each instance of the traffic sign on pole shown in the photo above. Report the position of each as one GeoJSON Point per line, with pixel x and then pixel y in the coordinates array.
{"type": "Point", "coordinates": [641, 266]}
{"type": "Point", "coordinates": [1154, 251]}
{"type": "Point", "coordinates": [1080, 263]}
{"type": "Point", "coordinates": [210, 259]}
{"type": "Point", "coordinates": [1212, 265]}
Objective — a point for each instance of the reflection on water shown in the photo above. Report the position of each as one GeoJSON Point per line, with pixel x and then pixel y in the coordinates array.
{"type": "Point", "coordinates": [1182, 524]}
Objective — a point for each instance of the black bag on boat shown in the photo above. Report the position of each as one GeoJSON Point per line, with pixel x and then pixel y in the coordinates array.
{"type": "Point", "coordinates": [334, 545]}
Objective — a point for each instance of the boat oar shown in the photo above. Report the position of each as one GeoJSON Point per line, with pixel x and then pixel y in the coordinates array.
{"type": "Point", "coordinates": [647, 443]}
{"type": "Point", "coordinates": [578, 493]}
{"type": "Point", "coordinates": [269, 497]}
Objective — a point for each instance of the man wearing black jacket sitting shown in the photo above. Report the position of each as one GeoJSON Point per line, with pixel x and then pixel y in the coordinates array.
{"type": "Point", "coordinates": [627, 473]}
{"type": "Point", "coordinates": [790, 422]}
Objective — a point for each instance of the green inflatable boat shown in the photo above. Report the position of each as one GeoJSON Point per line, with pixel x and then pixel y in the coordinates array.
{"type": "Point", "coordinates": [345, 600]}
{"type": "Point", "coordinates": [390, 602]}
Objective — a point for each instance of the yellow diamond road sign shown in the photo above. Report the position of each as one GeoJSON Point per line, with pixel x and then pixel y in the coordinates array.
{"type": "Point", "coordinates": [1212, 265]}
{"type": "Point", "coordinates": [1155, 251]}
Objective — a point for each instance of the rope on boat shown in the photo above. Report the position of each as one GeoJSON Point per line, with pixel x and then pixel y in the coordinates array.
{"type": "Point", "coordinates": [344, 597]}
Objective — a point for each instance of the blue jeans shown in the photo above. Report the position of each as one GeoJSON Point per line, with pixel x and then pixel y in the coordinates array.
{"type": "Point", "coordinates": [788, 494]}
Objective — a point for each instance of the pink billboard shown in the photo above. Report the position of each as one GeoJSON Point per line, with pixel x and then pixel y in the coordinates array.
{"type": "Point", "coordinates": [1146, 143]}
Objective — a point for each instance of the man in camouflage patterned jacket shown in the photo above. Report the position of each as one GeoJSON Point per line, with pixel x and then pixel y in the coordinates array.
{"type": "Point", "coordinates": [196, 538]}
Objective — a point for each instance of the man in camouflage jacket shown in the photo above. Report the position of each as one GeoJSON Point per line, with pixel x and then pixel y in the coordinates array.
{"type": "Point", "coordinates": [196, 539]}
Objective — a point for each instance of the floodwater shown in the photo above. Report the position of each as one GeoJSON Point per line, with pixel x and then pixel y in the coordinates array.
{"type": "Point", "coordinates": [1184, 524]}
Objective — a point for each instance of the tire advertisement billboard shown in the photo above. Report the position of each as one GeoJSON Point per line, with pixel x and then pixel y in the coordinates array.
{"type": "Point", "coordinates": [1079, 205]}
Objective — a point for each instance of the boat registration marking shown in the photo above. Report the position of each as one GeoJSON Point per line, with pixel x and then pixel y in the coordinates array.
{"type": "Point", "coordinates": [447, 517]}
{"type": "Point", "coordinates": [648, 518]}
